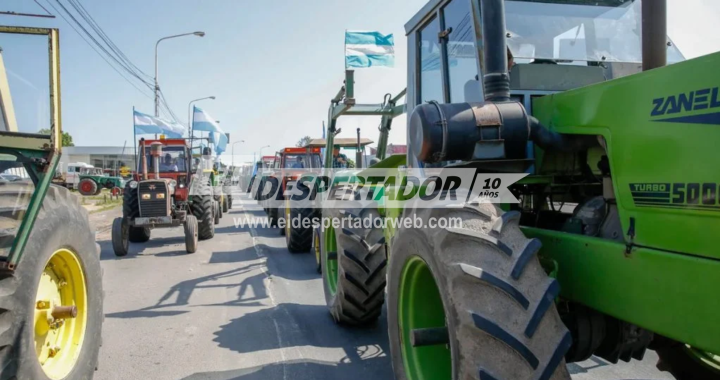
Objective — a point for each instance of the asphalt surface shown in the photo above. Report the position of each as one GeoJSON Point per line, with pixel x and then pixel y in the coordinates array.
{"type": "Point", "coordinates": [243, 307]}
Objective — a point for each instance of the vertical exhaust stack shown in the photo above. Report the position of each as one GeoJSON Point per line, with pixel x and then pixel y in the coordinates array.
{"type": "Point", "coordinates": [654, 34]}
{"type": "Point", "coordinates": [156, 152]}
{"type": "Point", "coordinates": [496, 80]}
{"type": "Point", "coordinates": [144, 174]}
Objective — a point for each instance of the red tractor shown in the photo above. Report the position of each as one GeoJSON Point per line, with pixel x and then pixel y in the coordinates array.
{"type": "Point", "coordinates": [290, 165]}
{"type": "Point", "coordinates": [174, 195]}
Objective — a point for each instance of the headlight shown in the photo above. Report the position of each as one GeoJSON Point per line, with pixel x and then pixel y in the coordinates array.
{"type": "Point", "coordinates": [133, 184]}
{"type": "Point", "coordinates": [173, 183]}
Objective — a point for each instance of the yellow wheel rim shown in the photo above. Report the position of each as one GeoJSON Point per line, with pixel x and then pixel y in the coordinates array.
{"type": "Point", "coordinates": [317, 247]}
{"type": "Point", "coordinates": [58, 335]}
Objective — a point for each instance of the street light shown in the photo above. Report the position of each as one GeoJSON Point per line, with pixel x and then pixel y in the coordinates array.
{"type": "Point", "coordinates": [157, 86]}
{"type": "Point", "coordinates": [190, 112]}
{"type": "Point", "coordinates": [232, 161]}
{"type": "Point", "coordinates": [260, 153]}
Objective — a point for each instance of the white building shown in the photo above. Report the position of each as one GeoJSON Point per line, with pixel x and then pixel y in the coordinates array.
{"type": "Point", "coordinates": [109, 158]}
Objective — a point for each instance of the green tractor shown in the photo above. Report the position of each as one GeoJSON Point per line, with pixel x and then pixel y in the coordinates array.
{"type": "Point", "coordinates": [93, 180]}
{"type": "Point", "coordinates": [51, 291]}
{"type": "Point", "coordinates": [611, 249]}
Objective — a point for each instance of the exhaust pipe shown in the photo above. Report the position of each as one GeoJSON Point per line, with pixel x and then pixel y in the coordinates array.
{"type": "Point", "coordinates": [654, 34]}
{"type": "Point", "coordinates": [143, 157]}
{"type": "Point", "coordinates": [496, 80]}
{"type": "Point", "coordinates": [156, 152]}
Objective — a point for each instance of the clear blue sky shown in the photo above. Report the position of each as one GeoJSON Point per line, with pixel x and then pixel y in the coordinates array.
{"type": "Point", "coordinates": [273, 64]}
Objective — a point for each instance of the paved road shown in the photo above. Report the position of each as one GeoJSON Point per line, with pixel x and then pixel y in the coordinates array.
{"type": "Point", "coordinates": [243, 307]}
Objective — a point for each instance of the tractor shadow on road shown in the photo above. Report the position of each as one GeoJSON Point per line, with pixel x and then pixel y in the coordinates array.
{"type": "Point", "coordinates": [374, 368]}
{"type": "Point", "coordinates": [297, 325]}
{"type": "Point", "coordinates": [136, 249]}
{"type": "Point", "coordinates": [251, 290]}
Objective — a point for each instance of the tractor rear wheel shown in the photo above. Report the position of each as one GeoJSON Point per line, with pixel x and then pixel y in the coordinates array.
{"type": "Point", "coordinates": [131, 210]}
{"type": "Point", "coordinates": [473, 301]}
{"type": "Point", "coordinates": [273, 213]}
{"type": "Point", "coordinates": [685, 362]}
{"type": "Point", "coordinates": [225, 204]}
{"type": "Point", "coordinates": [354, 261]}
{"type": "Point", "coordinates": [216, 212]}
{"type": "Point", "coordinates": [139, 234]}
{"type": "Point", "coordinates": [202, 207]}
{"type": "Point", "coordinates": [230, 202]}
{"type": "Point", "coordinates": [298, 236]}
{"type": "Point", "coordinates": [88, 187]}
{"type": "Point", "coordinates": [59, 273]}
{"type": "Point", "coordinates": [191, 234]}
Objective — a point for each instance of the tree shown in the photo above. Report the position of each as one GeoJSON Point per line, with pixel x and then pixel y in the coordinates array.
{"type": "Point", "coordinates": [66, 138]}
{"type": "Point", "coordinates": [303, 141]}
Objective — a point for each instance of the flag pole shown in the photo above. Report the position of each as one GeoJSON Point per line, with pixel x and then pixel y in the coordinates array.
{"type": "Point", "coordinates": [135, 141]}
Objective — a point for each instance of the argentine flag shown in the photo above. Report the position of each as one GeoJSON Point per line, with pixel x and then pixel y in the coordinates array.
{"type": "Point", "coordinates": [149, 125]}
{"type": "Point", "coordinates": [204, 122]}
{"type": "Point", "coordinates": [367, 49]}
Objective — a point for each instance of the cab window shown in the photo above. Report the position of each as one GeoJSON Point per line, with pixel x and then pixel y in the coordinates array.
{"type": "Point", "coordinates": [431, 82]}
{"type": "Point", "coordinates": [447, 56]}
{"type": "Point", "coordinates": [461, 55]}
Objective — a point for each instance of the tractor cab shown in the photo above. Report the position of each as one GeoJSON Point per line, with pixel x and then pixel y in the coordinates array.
{"type": "Point", "coordinates": [340, 144]}
{"type": "Point", "coordinates": [172, 163]}
{"type": "Point", "coordinates": [548, 46]}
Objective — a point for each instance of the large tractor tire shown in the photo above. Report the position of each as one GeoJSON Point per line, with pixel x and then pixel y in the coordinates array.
{"type": "Point", "coordinates": [354, 262]}
{"type": "Point", "coordinates": [230, 202]}
{"type": "Point", "coordinates": [472, 302]}
{"type": "Point", "coordinates": [88, 187]}
{"type": "Point", "coordinates": [216, 212]}
{"type": "Point", "coordinates": [298, 236]}
{"type": "Point", "coordinates": [686, 363]}
{"type": "Point", "coordinates": [203, 208]}
{"type": "Point", "coordinates": [273, 213]}
{"type": "Point", "coordinates": [61, 264]}
{"type": "Point", "coordinates": [131, 210]}
{"type": "Point", "coordinates": [225, 205]}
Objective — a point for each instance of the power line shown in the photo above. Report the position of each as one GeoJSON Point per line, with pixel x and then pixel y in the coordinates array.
{"type": "Point", "coordinates": [98, 53]}
{"type": "Point", "coordinates": [104, 37]}
{"type": "Point", "coordinates": [121, 64]}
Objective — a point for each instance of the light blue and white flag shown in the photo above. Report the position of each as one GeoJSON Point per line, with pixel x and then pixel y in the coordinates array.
{"type": "Point", "coordinates": [367, 49]}
{"type": "Point", "coordinates": [149, 125]}
{"type": "Point", "coordinates": [204, 122]}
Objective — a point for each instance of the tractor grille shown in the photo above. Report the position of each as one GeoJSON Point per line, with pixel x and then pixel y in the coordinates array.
{"type": "Point", "coordinates": [157, 204]}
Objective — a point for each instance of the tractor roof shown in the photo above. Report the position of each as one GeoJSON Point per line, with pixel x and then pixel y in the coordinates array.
{"type": "Point", "coordinates": [167, 142]}
{"type": "Point", "coordinates": [343, 142]}
{"type": "Point", "coordinates": [301, 150]}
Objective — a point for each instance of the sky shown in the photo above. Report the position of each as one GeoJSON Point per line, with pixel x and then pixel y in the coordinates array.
{"type": "Point", "coordinates": [273, 65]}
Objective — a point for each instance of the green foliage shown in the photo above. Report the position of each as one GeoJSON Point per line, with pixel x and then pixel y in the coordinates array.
{"type": "Point", "coordinates": [67, 140]}
{"type": "Point", "coordinates": [350, 163]}
{"type": "Point", "coordinates": [303, 141]}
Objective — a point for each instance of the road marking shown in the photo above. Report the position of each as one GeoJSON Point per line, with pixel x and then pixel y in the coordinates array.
{"type": "Point", "coordinates": [259, 252]}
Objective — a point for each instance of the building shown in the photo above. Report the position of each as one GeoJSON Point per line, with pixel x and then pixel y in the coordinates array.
{"type": "Point", "coordinates": [110, 158]}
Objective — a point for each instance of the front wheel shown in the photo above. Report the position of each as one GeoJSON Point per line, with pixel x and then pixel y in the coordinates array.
{"type": "Point", "coordinates": [52, 305]}
{"type": "Point", "coordinates": [353, 266]}
{"type": "Point", "coordinates": [472, 302]}
{"type": "Point", "coordinates": [191, 234]}
{"type": "Point", "coordinates": [120, 236]}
